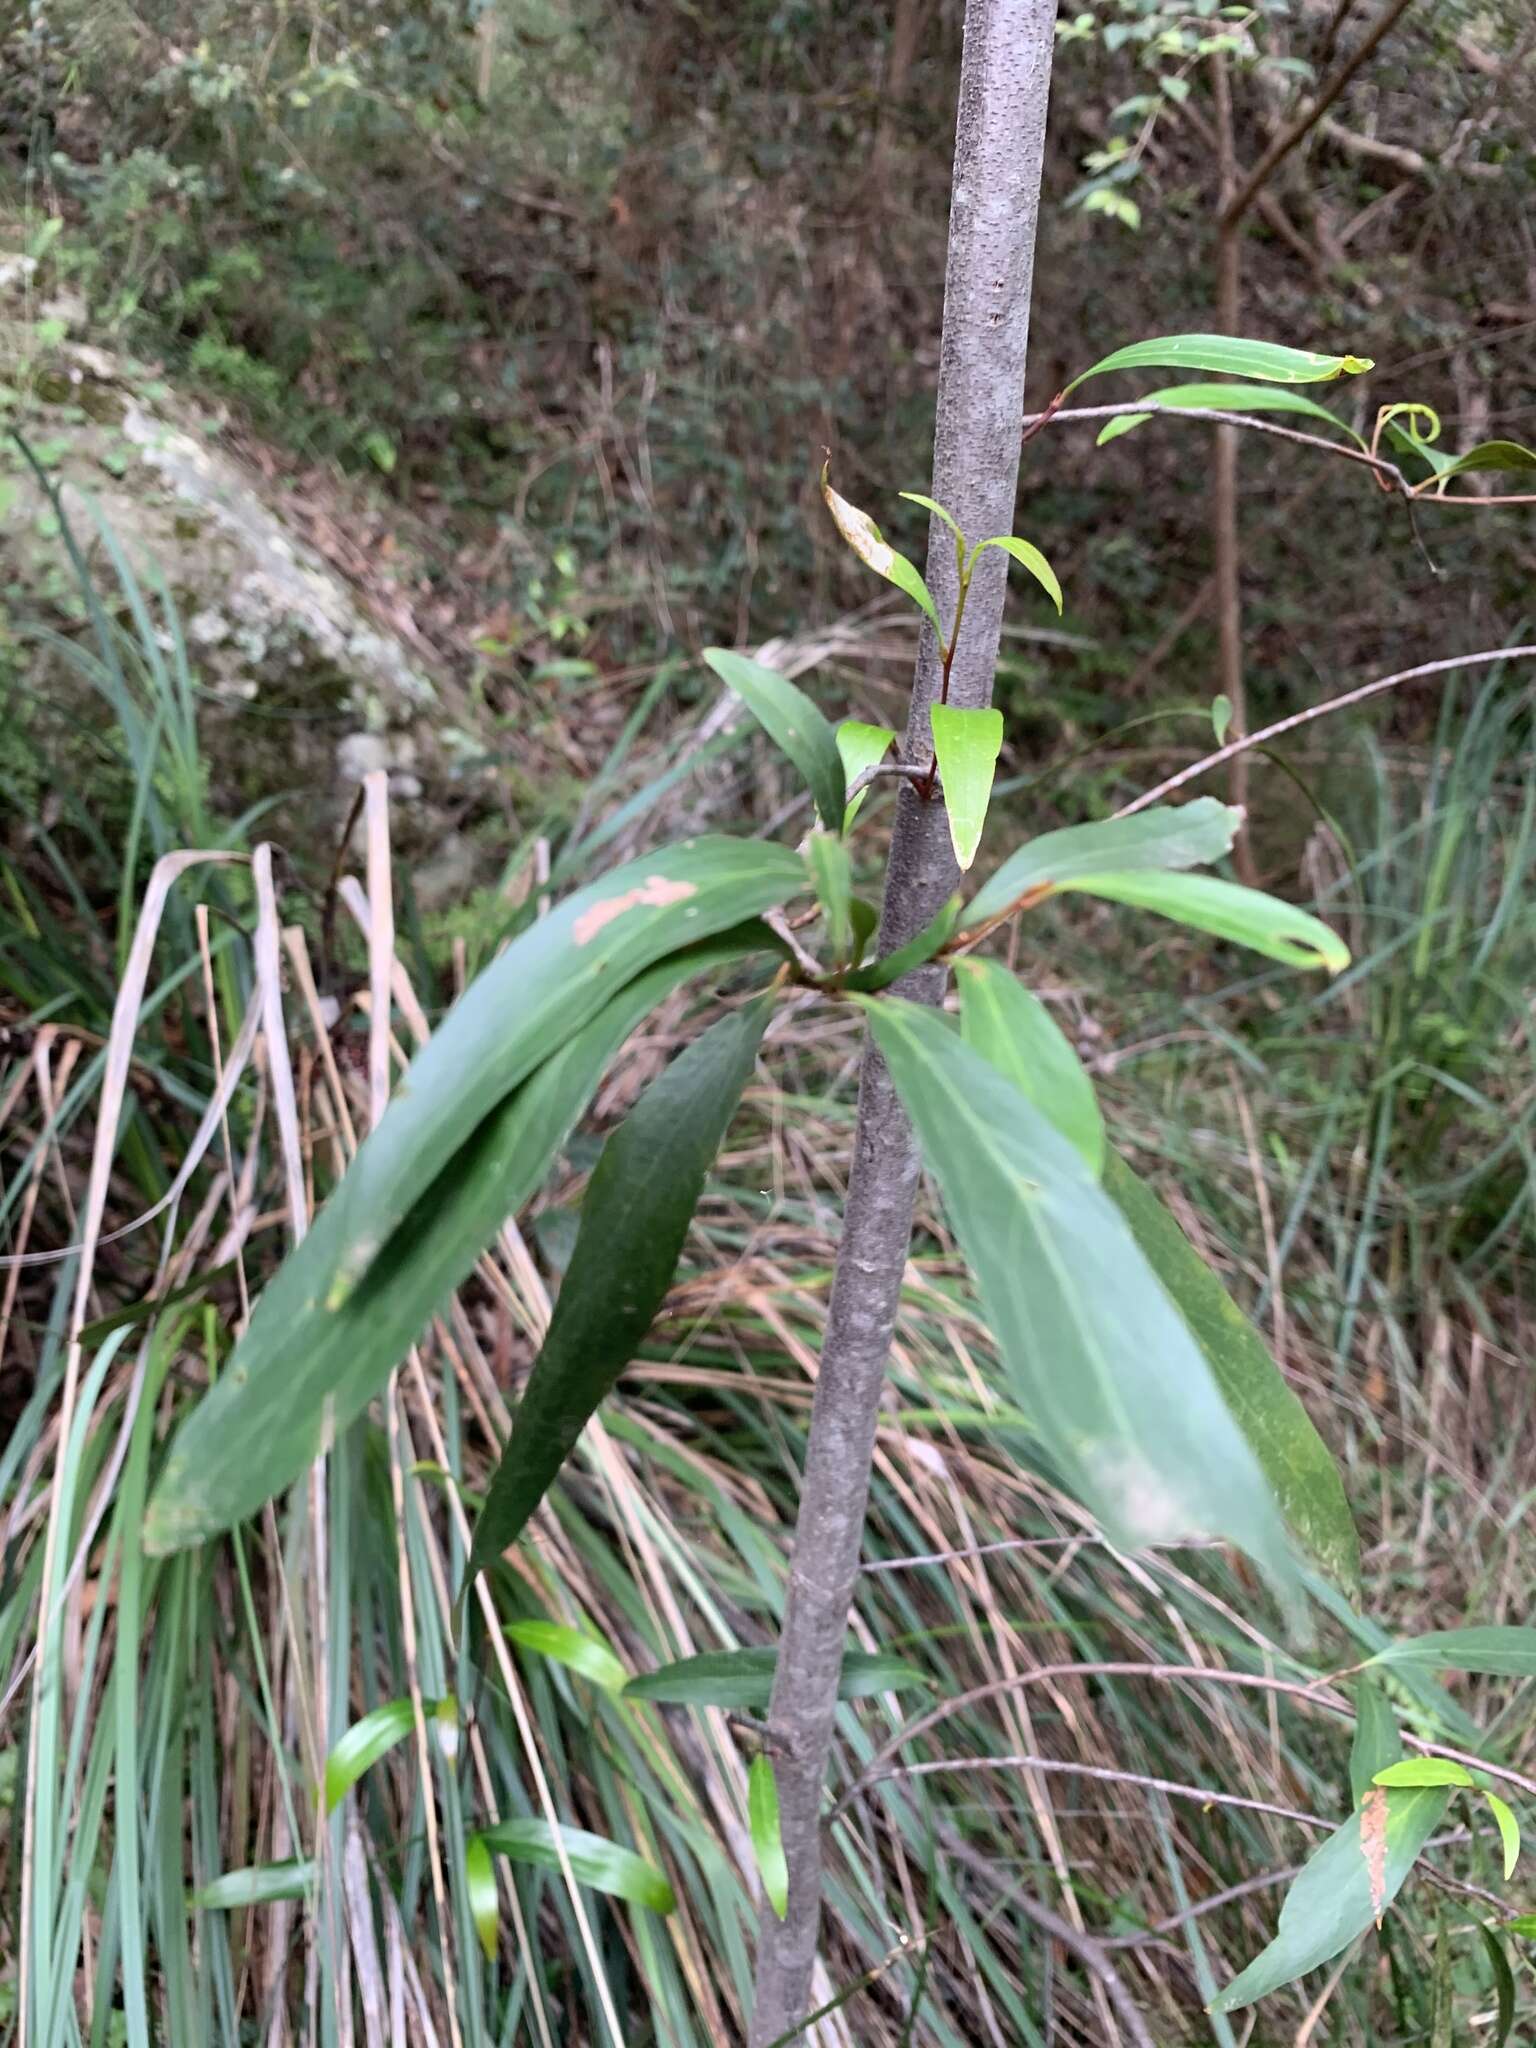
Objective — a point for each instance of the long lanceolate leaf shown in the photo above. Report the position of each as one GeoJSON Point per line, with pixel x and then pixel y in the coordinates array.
{"type": "Point", "coordinates": [1227, 398]}
{"type": "Point", "coordinates": [1343, 1888]}
{"type": "Point", "coordinates": [1100, 1359]}
{"type": "Point", "coordinates": [298, 1378]}
{"type": "Point", "coordinates": [1011, 1029]}
{"type": "Point", "coordinates": [793, 723]}
{"type": "Point", "coordinates": [593, 1860]}
{"type": "Point", "coordinates": [1167, 836]}
{"type": "Point", "coordinates": [1279, 1431]}
{"type": "Point", "coordinates": [1507, 1651]}
{"type": "Point", "coordinates": [1230, 355]}
{"type": "Point", "coordinates": [744, 1678]}
{"type": "Point", "coordinates": [640, 1201]}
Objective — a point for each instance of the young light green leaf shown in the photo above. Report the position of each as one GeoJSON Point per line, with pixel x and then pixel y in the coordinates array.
{"type": "Point", "coordinates": [1221, 717]}
{"type": "Point", "coordinates": [832, 877]}
{"type": "Point", "coordinates": [1245, 916]}
{"type": "Point", "coordinates": [1167, 836]}
{"type": "Point", "coordinates": [292, 1385]}
{"type": "Point", "coordinates": [936, 933]}
{"type": "Point", "coordinates": [767, 1840]}
{"type": "Point", "coordinates": [872, 548]}
{"type": "Point", "coordinates": [1377, 1742]}
{"type": "Point", "coordinates": [1496, 1652]}
{"type": "Point", "coordinates": [939, 511]}
{"type": "Point", "coordinates": [1509, 1831]}
{"type": "Point", "coordinates": [1342, 1890]}
{"type": "Point", "coordinates": [1424, 1770]}
{"type": "Point", "coordinates": [1230, 356]}
{"type": "Point", "coordinates": [1279, 1432]}
{"type": "Point", "coordinates": [362, 1746]}
{"type": "Point", "coordinates": [480, 1887]}
{"type": "Point", "coordinates": [796, 726]}
{"type": "Point", "coordinates": [593, 1859]}
{"type": "Point", "coordinates": [1095, 1351]}
{"type": "Point", "coordinates": [574, 1648]}
{"type": "Point", "coordinates": [742, 1680]}
{"type": "Point", "coordinates": [1029, 557]}
{"type": "Point", "coordinates": [966, 745]}
{"type": "Point", "coordinates": [639, 1204]}
{"type": "Point", "coordinates": [1013, 1030]}
{"type": "Point", "coordinates": [263, 1884]}
{"type": "Point", "coordinates": [862, 747]}
{"type": "Point", "coordinates": [1503, 1984]}
{"type": "Point", "coordinates": [1227, 398]}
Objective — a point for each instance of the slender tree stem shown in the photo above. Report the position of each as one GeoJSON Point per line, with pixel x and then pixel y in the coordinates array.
{"type": "Point", "coordinates": [1225, 530]}
{"type": "Point", "coordinates": [999, 149]}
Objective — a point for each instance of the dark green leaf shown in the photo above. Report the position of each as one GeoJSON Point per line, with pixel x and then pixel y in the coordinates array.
{"type": "Point", "coordinates": [480, 1886]}
{"type": "Point", "coordinates": [572, 1647]}
{"type": "Point", "coordinates": [1276, 1426]}
{"type": "Point", "coordinates": [794, 724]}
{"type": "Point", "coordinates": [743, 1679]}
{"type": "Point", "coordinates": [1508, 1652]}
{"type": "Point", "coordinates": [640, 1201]}
{"type": "Point", "coordinates": [1343, 1888]}
{"type": "Point", "coordinates": [862, 747]}
{"type": "Point", "coordinates": [1503, 1984]}
{"type": "Point", "coordinates": [966, 745]}
{"type": "Point", "coordinates": [1376, 1742]}
{"type": "Point", "coordinates": [264, 1884]}
{"type": "Point", "coordinates": [915, 953]}
{"type": "Point", "coordinates": [1231, 356]}
{"type": "Point", "coordinates": [1016, 1033]}
{"type": "Point", "coordinates": [294, 1383]}
{"type": "Point", "coordinates": [832, 876]}
{"type": "Point", "coordinates": [872, 548]}
{"type": "Point", "coordinates": [865, 920]}
{"type": "Point", "coordinates": [1029, 557]}
{"type": "Point", "coordinates": [1247, 917]}
{"type": "Point", "coordinates": [594, 1861]}
{"type": "Point", "coordinates": [1227, 398]}
{"type": "Point", "coordinates": [1167, 836]}
{"type": "Point", "coordinates": [1097, 1354]}
{"type": "Point", "coordinates": [767, 1840]}
{"type": "Point", "coordinates": [1487, 455]}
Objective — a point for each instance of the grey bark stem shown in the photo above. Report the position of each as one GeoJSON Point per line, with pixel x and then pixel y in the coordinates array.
{"type": "Point", "coordinates": [994, 209]}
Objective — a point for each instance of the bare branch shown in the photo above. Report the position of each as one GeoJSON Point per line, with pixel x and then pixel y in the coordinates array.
{"type": "Point", "coordinates": [1323, 710]}
{"type": "Point", "coordinates": [1297, 131]}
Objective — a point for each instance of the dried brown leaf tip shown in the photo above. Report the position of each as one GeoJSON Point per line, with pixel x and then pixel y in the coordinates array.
{"type": "Point", "coordinates": [1373, 1841]}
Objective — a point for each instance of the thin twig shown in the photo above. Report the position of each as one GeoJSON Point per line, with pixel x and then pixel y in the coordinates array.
{"type": "Point", "coordinates": [1297, 718]}
{"type": "Point", "coordinates": [1391, 475]}
{"type": "Point", "coordinates": [1308, 1693]}
{"type": "Point", "coordinates": [1298, 130]}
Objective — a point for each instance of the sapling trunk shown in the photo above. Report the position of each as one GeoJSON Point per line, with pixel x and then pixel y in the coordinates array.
{"type": "Point", "coordinates": [999, 147]}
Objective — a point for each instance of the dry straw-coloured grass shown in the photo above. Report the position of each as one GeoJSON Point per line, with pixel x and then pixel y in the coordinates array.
{"type": "Point", "coordinates": [1071, 1838]}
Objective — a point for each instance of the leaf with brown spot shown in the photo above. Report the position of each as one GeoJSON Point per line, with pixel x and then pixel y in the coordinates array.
{"type": "Point", "coordinates": [1342, 1889]}
{"type": "Point", "coordinates": [1373, 1846]}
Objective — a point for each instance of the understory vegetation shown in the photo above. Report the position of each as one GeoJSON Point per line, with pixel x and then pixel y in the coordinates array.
{"type": "Point", "coordinates": [540, 317]}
